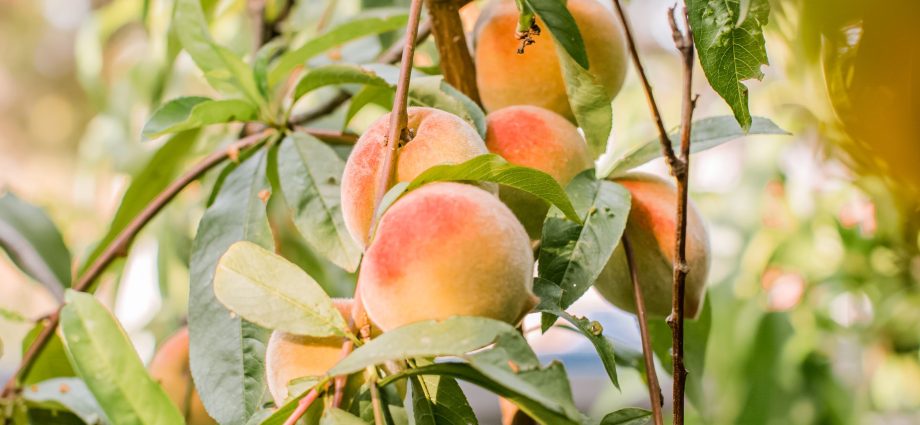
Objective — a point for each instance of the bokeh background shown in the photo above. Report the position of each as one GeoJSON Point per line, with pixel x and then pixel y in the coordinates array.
{"type": "Point", "coordinates": [814, 295]}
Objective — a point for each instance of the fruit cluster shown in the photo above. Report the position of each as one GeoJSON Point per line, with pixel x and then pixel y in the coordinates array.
{"type": "Point", "coordinates": [449, 249]}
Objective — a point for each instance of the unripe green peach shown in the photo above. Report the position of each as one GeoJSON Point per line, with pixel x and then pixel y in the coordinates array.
{"type": "Point", "coordinates": [289, 357]}
{"type": "Point", "coordinates": [438, 137]}
{"type": "Point", "coordinates": [506, 77]}
{"type": "Point", "coordinates": [447, 249]}
{"type": "Point", "coordinates": [537, 138]}
{"type": "Point", "coordinates": [650, 231]}
{"type": "Point", "coordinates": [170, 367]}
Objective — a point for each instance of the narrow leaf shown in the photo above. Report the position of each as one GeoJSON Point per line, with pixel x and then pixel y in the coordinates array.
{"type": "Point", "coordinates": [65, 394]}
{"type": "Point", "coordinates": [628, 416]}
{"type": "Point", "coordinates": [549, 295]}
{"type": "Point", "coordinates": [562, 26]}
{"type": "Point", "coordinates": [438, 400]}
{"type": "Point", "coordinates": [159, 171]}
{"type": "Point", "coordinates": [706, 133]}
{"type": "Point", "coordinates": [572, 255]}
{"type": "Point", "coordinates": [493, 168]}
{"type": "Point", "coordinates": [730, 50]}
{"type": "Point", "coordinates": [227, 352]}
{"type": "Point", "coordinates": [452, 337]}
{"type": "Point", "coordinates": [270, 291]}
{"type": "Point", "coordinates": [186, 113]}
{"type": "Point", "coordinates": [434, 92]}
{"type": "Point", "coordinates": [310, 175]}
{"type": "Point", "coordinates": [225, 71]}
{"type": "Point", "coordinates": [337, 74]}
{"type": "Point", "coordinates": [34, 244]}
{"type": "Point", "coordinates": [589, 102]}
{"type": "Point", "coordinates": [369, 23]}
{"type": "Point", "coordinates": [335, 416]}
{"type": "Point", "coordinates": [103, 356]}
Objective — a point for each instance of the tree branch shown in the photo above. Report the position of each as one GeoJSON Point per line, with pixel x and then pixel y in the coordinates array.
{"type": "Point", "coordinates": [654, 388]}
{"type": "Point", "coordinates": [119, 246]}
{"type": "Point", "coordinates": [456, 62]}
{"type": "Point", "coordinates": [684, 42]}
{"type": "Point", "coordinates": [391, 56]}
{"type": "Point", "coordinates": [666, 149]}
{"type": "Point", "coordinates": [303, 405]}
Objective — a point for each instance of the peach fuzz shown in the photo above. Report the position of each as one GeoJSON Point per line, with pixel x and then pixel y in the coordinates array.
{"type": "Point", "coordinates": [289, 357]}
{"type": "Point", "coordinates": [170, 367]}
{"type": "Point", "coordinates": [447, 249]}
{"type": "Point", "coordinates": [538, 138]}
{"type": "Point", "coordinates": [438, 137]}
{"type": "Point", "coordinates": [507, 78]}
{"type": "Point", "coordinates": [650, 230]}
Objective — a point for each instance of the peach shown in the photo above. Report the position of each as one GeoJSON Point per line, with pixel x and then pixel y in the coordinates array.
{"type": "Point", "coordinates": [170, 367]}
{"type": "Point", "coordinates": [650, 231]}
{"type": "Point", "coordinates": [534, 77]}
{"type": "Point", "coordinates": [438, 138]}
{"type": "Point", "coordinates": [289, 357]}
{"type": "Point", "coordinates": [447, 249]}
{"type": "Point", "coordinates": [537, 138]}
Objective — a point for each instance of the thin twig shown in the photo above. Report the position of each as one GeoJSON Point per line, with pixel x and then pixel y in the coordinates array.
{"type": "Point", "coordinates": [684, 42]}
{"type": "Point", "coordinates": [375, 396]}
{"type": "Point", "coordinates": [666, 149]}
{"type": "Point", "coordinates": [399, 115]}
{"type": "Point", "coordinates": [302, 406]}
{"type": "Point", "coordinates": [119, 246]}
{"type": "Point", "coordinates": [391, 56]}
{"type": "Point", "coordinates": [654, 388]}
{"type": "Point", "coordinates": [341, 381]}
{"type": "Point", "coordinates": [456, 62]}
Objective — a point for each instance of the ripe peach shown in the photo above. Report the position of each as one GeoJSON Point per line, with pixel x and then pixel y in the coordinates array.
{"type": "Point", "coordinates": [289, 357]}
{"type": "Point", "coordinates": [650, 231]}
{"type": "Point", "coordinates": [506, 77]}
{"type": "Point", "coordinates": [170, 367]}
{"type": "Point", "coordinates": [537, 138]}
{"type": "Point", "coordinates": [447, 249]}
{"type": "Point", "coordinates": [439, 138]}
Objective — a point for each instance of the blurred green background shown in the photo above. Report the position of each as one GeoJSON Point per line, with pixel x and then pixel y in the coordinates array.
{"type": "Point", "coordinates": [815, 289]}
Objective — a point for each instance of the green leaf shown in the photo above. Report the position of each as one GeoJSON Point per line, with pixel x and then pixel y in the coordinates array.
{"type": "Point", "coordinates": [158, 173]}
{"type": "Point", "coordinates": [187, 113]}
{"type": "Point", "coordinates": [365, 24]}
{"type": "Point", "coordinates": [628, 416]}
{"type": "Point", "coordinates": [562, 26]}
{"type": "Point", "coordinates": [51, 363]}
{"type": "Point", "coordinates": [438, 400]}
{"type": "Point", "coordinates": [368, 95]}
{"type": "Point", "coordinates": [589, 102]}
{"type": "Point", "coordinates": [225, 71]}
{"type": "Point", "coordinates": [227, 352]}
{"type": "Point", "coordinates": [67, 394]}
{"type": "Point", "coordinates": [270, 291]}
{"type": "Point", "coordinates": [34, 244]}
{"type": "Point", "coordinates": [452, 337]}
{"type": "Point", "coordinates": [335, 416]}
{"type": "Point", "coordinates": [493, 168]}
{"type": "Point", "coordinates": [572, 255]}
{"type": "Point", "coordinates": [730, 51]}
{"type": "Point", "coordinates": [525, 389]}
{"type": "Point", "coordinates": [337, 74]}
{"type": "Point", "coordinates": [310, 174]}
{"type": "Point", "coordinates": [104, 358]}
{"type": "Point", "coordinates": [706, 133]}
{"type": "Point", "coordinates": [434, 92]}
{"type": "Point", "coordinates": [280, 416]}
{"type": "Point", "coordinates": [550, 294]}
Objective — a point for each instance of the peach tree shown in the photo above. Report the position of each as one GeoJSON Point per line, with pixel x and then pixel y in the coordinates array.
{"type": "Point", "coordinates": [475, 201]}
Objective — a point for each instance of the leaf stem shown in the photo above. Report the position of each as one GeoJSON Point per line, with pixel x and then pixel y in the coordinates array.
{"type": "Point", "coordinates": [654, 388]}
{"type": "Point", "coordinates": [304, 404]}
{"type": "Point", "coordinates": [684, 42]}
{"type": "Point", "coordinates": [119, 246]}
